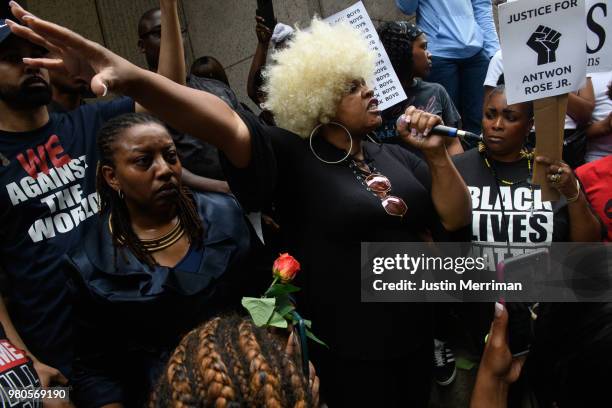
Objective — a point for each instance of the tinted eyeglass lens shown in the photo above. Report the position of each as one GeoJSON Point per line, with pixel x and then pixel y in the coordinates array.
{"type": "Point", "coordinates": [394, 206]}
{"type": "Point", "coordinates": [378, 183]}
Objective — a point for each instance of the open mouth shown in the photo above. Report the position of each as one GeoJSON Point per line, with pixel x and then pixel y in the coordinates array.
{"type": "Point", "coordinates": [373, 106]}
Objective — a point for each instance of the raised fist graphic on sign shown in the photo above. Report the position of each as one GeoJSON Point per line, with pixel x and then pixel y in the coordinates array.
{"type": "Point", "coordinates": [545, 42]}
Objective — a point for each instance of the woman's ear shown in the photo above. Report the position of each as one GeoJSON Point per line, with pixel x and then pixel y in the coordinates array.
{"type": "Point", "coordinates": [110, 177]}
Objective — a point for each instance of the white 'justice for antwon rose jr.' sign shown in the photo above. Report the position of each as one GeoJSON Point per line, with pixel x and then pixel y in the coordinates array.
{"type": "Point", "coordinates": [543, 43]}
{"type": "Point", "coordinates": [387, 87]}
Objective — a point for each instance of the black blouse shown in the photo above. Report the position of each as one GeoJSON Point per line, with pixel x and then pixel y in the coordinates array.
{"type": "Point", "coordinates": [325, 212]}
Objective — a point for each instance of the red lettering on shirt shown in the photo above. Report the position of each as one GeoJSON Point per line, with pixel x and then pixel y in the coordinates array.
{"type": "Point", "coordinates": [10, 356]}
{"type": "Point", "coordinates": [37, 160]}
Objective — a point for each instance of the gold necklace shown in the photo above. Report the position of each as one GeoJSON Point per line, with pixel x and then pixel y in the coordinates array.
{"type": "Point", "coordinates": [156, 244]}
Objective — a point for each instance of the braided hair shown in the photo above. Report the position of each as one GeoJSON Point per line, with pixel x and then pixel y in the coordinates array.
{"type": "Point", "coordinates": [229, 362]}
{"type": "Point", "coordinates": [112, 203]}
{"type": "Point", "coordinates": [397, 38]}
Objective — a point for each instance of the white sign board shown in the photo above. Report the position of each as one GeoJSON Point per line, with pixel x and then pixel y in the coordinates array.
{"type": "Point", "coordinates": [387, 87]}
{"type": "Point", "coordinates": [599, 29]}
{"type": "Point", "coordinates": [543, 43]}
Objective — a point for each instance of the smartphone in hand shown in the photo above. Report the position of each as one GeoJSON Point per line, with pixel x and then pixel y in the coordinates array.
{"type": "Point", "coordinates": [522, 268]}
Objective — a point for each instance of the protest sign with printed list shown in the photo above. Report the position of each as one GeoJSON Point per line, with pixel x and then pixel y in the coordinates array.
{"type": "Point", "coordinates": [543, 44]}
{"type": "Point", "coordinates": [387, 87]}
{"type": "Point", "coordinates": [599, 45]}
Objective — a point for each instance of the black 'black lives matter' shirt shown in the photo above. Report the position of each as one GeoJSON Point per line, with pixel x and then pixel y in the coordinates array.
{"type": "Point", "coordinates": [529, 222]}
{"type": "Point", "coordinates": [47, 195]}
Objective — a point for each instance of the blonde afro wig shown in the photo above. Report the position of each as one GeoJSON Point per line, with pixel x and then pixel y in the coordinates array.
{"type": "Point", "coordinates": [309, 78]}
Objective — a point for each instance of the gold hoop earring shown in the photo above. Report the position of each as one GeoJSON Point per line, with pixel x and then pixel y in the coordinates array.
{"type": "Point", "coordinates": [319, 157]}
{"type": "Point", "coordinates": [120, 194]}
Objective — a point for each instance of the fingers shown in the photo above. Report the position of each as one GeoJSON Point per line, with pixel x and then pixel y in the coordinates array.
{"type": "Point", "coordinates": [48, 63]}
{"type": "Point", "coordinates": [29, 35]}
{"type": "Point", "coordinates": [100, 85]}
{"type": "Point", "coordinates": [18, 11]}
{"type": "Point", "coordinates": [57, 35]}
{"type": "Point", "coordinates": [433, 120]}
{"type": "Point", "coordinates": [498, 336]}
{"type": "Point", "coordinates": [420, 121]}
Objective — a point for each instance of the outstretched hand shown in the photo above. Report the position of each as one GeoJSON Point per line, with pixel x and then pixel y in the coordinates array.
{"type": "Point", "coordinates": [79, 56]}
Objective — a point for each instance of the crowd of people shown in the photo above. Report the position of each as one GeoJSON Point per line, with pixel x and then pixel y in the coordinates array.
{"type": "Point", "coordinates": [126, 248]}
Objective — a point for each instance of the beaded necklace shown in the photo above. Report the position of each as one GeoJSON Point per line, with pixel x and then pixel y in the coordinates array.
{"type": "Point", "coordinates": [525, 154]}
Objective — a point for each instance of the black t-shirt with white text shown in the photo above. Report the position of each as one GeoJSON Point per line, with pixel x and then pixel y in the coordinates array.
{"type": "Point", "coordinates": [528, 222]}
{"type": "Point", "coordinates": [47, 194]}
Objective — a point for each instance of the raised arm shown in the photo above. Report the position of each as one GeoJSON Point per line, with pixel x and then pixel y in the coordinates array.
{"type": "Point", "coordinates": [259, 59]}
{"type": "Point", "coordinates": [449, 193]}
{"type": "Point", "coordinates": [198, 113]}
{"type": "Point", "coordinates": [580, 105]}
{"type": "Point", "coordinates": [171, 49]}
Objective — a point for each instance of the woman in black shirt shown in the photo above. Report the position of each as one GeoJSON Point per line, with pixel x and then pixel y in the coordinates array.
{"type": "Point", "coordinates": [333, 189]}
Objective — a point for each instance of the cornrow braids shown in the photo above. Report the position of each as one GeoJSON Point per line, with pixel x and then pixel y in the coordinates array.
{"type": "Point", "coordinates": [228, 362]}
{"type": "Point", "coordinates": [397, 38]}
{"type": "Point", "coordinates": [111, 202]}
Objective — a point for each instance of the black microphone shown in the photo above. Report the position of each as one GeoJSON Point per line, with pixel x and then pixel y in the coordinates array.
{"type": "Point", "coordinates": [442, 130]}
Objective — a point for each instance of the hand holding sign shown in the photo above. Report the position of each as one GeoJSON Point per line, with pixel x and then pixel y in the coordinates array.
{"type": "Point", "coordinates": [545, 42]}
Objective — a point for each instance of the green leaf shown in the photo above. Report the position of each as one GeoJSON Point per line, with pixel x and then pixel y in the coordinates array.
{"type": "Point", "coordinates": [284, 306]}
{"type": "Point", "coordinates": [277, 320]}
{"type": "Point", "coordinates": [281, 289]}
{"type": "Point", "coordinates": [312, 337]}
{"type": "Point", "coordinates": [260, 309]}
{"type": "Point", "coordinates": [307, 323]}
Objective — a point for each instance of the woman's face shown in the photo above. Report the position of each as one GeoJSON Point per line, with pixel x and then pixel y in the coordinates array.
{"type": "Point", "coordinates": [147, 168]}
{"type": "Point", "coordinates": [504, 126]}
{"type": "Point", "coordinates": [421, 58]}
{"type": "Point", "coordinates": [358, 109]}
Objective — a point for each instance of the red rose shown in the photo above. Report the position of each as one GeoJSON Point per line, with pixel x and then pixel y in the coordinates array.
{"type": "Point", "coordinates": [285, 267]}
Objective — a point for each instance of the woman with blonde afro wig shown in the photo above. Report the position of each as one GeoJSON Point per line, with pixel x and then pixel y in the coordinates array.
{"type": "Point", "coordinates": [304, 86]}
{"type": "Point", "coordinates": [332, 187]}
